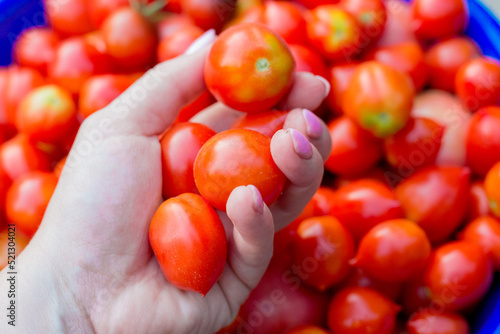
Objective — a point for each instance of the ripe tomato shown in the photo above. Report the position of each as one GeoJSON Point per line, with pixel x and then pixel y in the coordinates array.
{"type": "Point", "coordinates": [131, 40]}
{"type": "Point", "coordinates": [171, 24]}
{"type": "Point", "coordinates": [438, 19]}
{"type": "Point", "coordinates": [321, 251]}
{"type": "Point", "coordinates": [358, 278]}
{"type": "Point", "coordinates": [177, 43]}
{"type": "Point", "coordinates": [203, 101]}
{"type": "Point", "coordinates": [361, 310]}
{"type": "Point", "coordinates": [306, 60]}
{"type": "Point", "coordinates": [477, 83]}
{"type": "Point", "coordinates": [69, 17]}
{"type": "Point", "coordinates": [267, 122]}
{"type": "Point", "coordinates": [379, 98]}
{"type": "Point", "coordinates": [393, 251]}
{"type": "Point", "coordinates": [445, 58]}
{"type": "Point", "coordinates": [362, 204]}
{"type": "Point", "coordinates": [398, 28]}
{"type": "Point", "coordinates": [99, 10]}
{"type": "Point", "coordinates": [478, 202]}
{"type": "Point", "coordinates": [428, 321]}
{"type": "Point", "coordinates": [492, 188]}
{"type": "Point", "coordinates": [458, 275]}
{"type": "Point", "coordinates": [335, 33]}
{"type": "Point", "coordinates": [340, 79]}
{"type": "Point", "coordinates": [35, 48]}
{"type": "Point", "coordinates": [20, 241]}
{"type": "Point", "coordinates": [265, 68]}
{"type": "Point", "coordinates": [188, 239]}
{"type": "Point", "coordinates": [316, 3]}
{"type": "Point", "coordinates": [323, 201]}
{"type": "Point", "coordinates": [354, 150]}
{"type": "Point", "coordinates": [306, 330]}
{"type": "Point", "coordinates": [485, 232]}
{"type": "Point", "coordinates": [28, 198]}
{"type": "Point", "coordinates": [233, 158]}
{"type": "Point", "coordinates": [209, 14]}
{"type": "Point", "coordinates": [436, 198]}
{"type": "Point", "coordinates": [371, 15]}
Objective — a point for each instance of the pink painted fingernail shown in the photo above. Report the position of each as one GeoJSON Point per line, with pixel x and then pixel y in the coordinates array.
{"type": "Point", "coordinates": [326, 83]}
{"type": "Point", "coordinates": [301, 145]}
{"type": "Point", "coordinates": [258, 203]}
{"type": "Point", "coordinates": [314, 128]}
{"type": "Point", "coordinates": [204, 40]}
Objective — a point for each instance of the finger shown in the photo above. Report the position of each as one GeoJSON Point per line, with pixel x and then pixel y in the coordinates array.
{"type": "Point", "coordinates": [218, 117]}
{"type": "Point", "coordinates": [311, 126]}
{"type": "Point", "coordinates": [308, 91]}
{"type": "Point", "coordinates": [302, 164]}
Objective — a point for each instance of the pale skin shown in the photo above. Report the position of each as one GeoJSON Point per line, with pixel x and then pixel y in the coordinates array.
{"type": "Point", "coordinates": [90, 268]}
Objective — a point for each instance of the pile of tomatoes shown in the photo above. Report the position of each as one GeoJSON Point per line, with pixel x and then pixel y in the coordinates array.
{"type": "Point", "coordinates": [404, 234]}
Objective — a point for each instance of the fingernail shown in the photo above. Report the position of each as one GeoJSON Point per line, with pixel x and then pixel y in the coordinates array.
{"type": "Point", "coordinates": [204, 40]}
{"type": "Point", "coordinates": [326, 83]}
{"type": "Point", "coordinates": [258, 203]}
{"type": "Point", "coordinates": [314, 128]}
{"type": "Point", "coordinates": [301, 145]}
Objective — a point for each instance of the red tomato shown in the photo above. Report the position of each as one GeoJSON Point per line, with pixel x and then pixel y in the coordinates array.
{"type": "Point", "coordinates": [361, 310]}
{"type": "Point", "coordinates": [35, 48]}
{"type": "Point", "coordinates": [485, 232]}
{"type": "Point", "coordinates": [188, 239]}
{"type": "Point", "coordinates": [478, 202]}
{"type": "Point", "coordinates": [28, 198]}
{"type": "Point", "coordinates": [323, 201]}
{"type": "Point", "coordinates": [445, 58]}
{"type": "Point", "coordinates": [203, 101]}
{"type": "Point", "coordinates": [307, 330]}
{"type": "Point", "coordinates": [398, 28]}
{"type": "Point", "coordinates": [354, 150]}
{"type": "Point", "coordinates": [458, 275]}
{"type": "Point", "coordinates": [131, 40]}
{"type": "Point", "coordinates": [306, 60]}
{"type": "Point", "coordinates": [262, 80]}
{"type": "Point", "coordinates": [432, 322]}
{"type": "Point", "coordinates": [477, 83]}
{"type": "Point", "coordinates": [99, 10]}
{"type": "Point", "coordinates": [321, 251]}
{"type": "Point", "coordinates": [69, 17]}
{"type": "Point", "coordinates": [335, 33]}
{"type": "Point", "coordinates": [177, 43]}
{"type": "Point", "coordinates": [233, 158]}
{"type": "Point", "coordinates": [358, 278]}
{"type": "Point", "coordinates": [436, 198]}
{"type": "Point", "coordinates": [438, 19]}
{"type": "Point", "coordinates": [492, 188]}
{"type": "Point", "coordinates": [267, 122]}
{"type": "Point", "coordinates": [371, 15]}
{"type": "Point", "coordinates": [209, 14]}
{"type": "Point", "coordinates": [171, 24]}
{"type": "Point", "coordinates": [283, 18]}
{"type": "Point", "coordinates": [340, 78]}
{"type": "Point", "coordinates": [19, 240]}
{"type": "Point", "coordinates": [379, 98]}
{"type": "Point", "coordinates": [363, 204]}
{"type": "Point", "coordinates": [393, 251]}
{"type": "Point", "coordinates": [316, 3]}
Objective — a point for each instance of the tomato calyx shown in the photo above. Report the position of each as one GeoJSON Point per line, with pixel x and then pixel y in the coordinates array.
{"type": "Point", "coordinates": [381, 123]}
{"type": "Point", "coordinates": [262, 65]}
{"type": "Point", "coordinates": [153, 11]}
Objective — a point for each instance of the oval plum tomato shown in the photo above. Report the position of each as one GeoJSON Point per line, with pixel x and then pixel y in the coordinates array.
{"type": "Point", "coordinates": [364, 203]}
{"type": "Point", "coordinates": [483, 140]}
{"type": "Point", "coordinates": [415, 146]}
{"type": "Point", "coordinates": [458, 276]}
{"type": "Point", "coordinates": [358, 310]}
{"type": "Point", "coordinates": [335, 33]}
{"type": "Point", "coordinates": [321, 251]}
{"type": "Point", "coordinates": [407, 58]}
{"type": "Point", "coordinates": [203, 101]}
{"type": "Point", "coordinates": [209, 14]}
{"type": "Point", "coordinates": [19, 155]}
{"type": "Point", "coordinates": [306, 330]}
{"type": "Point", "coordinates": [267, 122]}
{"type": "Point", "coordinates": [477, 83]}
{"type": "Point", "coordinates": [492, 188]}
{"type": "Point", "coordinates": [306, 60]}
{"type": "Point", "coordinates": [189, 241]}
{"type": "Point", "coordinates": [358, 278]}
{"type": "Point", "coordinates": [28, 198]}
{"type": "Point", "coordinates": [438, 19]}
{"type": "Point", "coordinates": [485, 232]}
{"type": "Point", "coordinates": [100, 90]}
{"type": "Point", "coordinates": [340, 78]}
{"type": "Point", "coordinates": [234, 158]}
{"type": "Point", "coordinates": [35, 48]}
{"type": "Point", "coordinates": [69, 17]}
{"type": "Point", "coordinates": [436, 198]}
{"type": "Point", "coordinates": [393, 251]}
{"type": "Point", "coordinates": [323, 201]}
{"type": "Point", "coordinates": [428, 321]}
{"type": "Point", "coordinates": [177, 43]}
{"type": "Point", "coordinates": [283, 18]}
{"type": "Point", "coordinates": [260, 81]}
{"type": "Point", "coordinates": [371, 14]}
{"type": "Point", "coordinates": [354, 150]}
{"type": "Point", "coordinates": [179, 148]}
{"type": "Point", "coordinates": [131, 40]}
{"type": "Point", "coordinates": [379, 98]}
{"type": "Point", "coordinates": [46, 114]}
{"type": "Point", "coordinates": [445, 58]}
{"type": "Point", "coordinates": [171, 24]}
{"type": "Point", "coordinates": [479, 205]}
{"type": "Point", "coordinates": [99, 10]}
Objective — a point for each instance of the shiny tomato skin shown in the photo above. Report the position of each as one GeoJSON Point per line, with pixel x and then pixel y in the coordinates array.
{"type": "Point", "coordinates": [179, 148]}
{"type": "Point", "coordinates": [363, 204]}
{"type": "Point", "coordinates": [325, 245]}
{"type": "Point", "coordinates": [460, 269]}
{"type": "Point", "coordinates": [483, 140]}
{"type": "Point", "coordinates": [358, 310]}
{"type": "Point", "coordinates": [382, 111]}
{"type": "Point", "coordinates": [438, 19]}
{"type": "Point", "coordinates": [323, 201]}
{"type": "Point", "coordinates": [267, 122]}
{"type": "Point", "coordinates": [398, 28]}
{"type": "Point", "coordinates": [203, 101]}
{"type": "Point", "coordinates": [209, 14]}
{"type": "Point", "coordinates": [340, 77]}
{"type": "Point", "coordinates": [28, 198]}
{"type": "Point", "coordinates": [354, 150]}
{"type": "Point", "coordinates": [307, 60]}
{"type": "Point", "coordinates": [99, 10]}
{"type": "Point", "coordinates": [35, 48]}
{"type": "Point", "coordinates": [371, 14]}
{"type": "Point", "coordinates": [233, 158]}
{"type": "Point", "coordinates": [485, 232]}
{"type": "Point", "coordinates": [20, 240]}
{"type": "Point", "coordinates": [476, 83]}
{"type": "Point", "coordinates": [492, 188]}
{"type": "Point", "coordinates": [358, 278]}
{"type": "Point", "coordinates": [429, 321]}
{"type": "Point", "coordinates": [445, 58]}
{"type": "Point", "coordinates": [171, 24]}
{"type": "Point", "coordinates": [189, 241]}
{"type": "Point", "coordinates": [306, 330]}
{"type": "Point", "coordinates": [69, 17]}
{"type": "Point", "coordinates": [264, 64]}
{"type": "Point", "coordinates": [177, 43]}
{"type": "Point", "coordinates": [479, 205]}
{"type": "Point", "coordinates": [393, 251]}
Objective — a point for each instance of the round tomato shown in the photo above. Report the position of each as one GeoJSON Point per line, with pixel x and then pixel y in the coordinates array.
{"type": "Point", "coordinates": [35, 48]}
{"type": "Point", "coordinates": [340, 78]}
{"type": "Point", "coordinates": [492, 188]}
{"type": "Point", "coordinates": [432, 322]}
{"type": "Point", "coordinates": [371, 14]}
{"type": "Point", "coordinates": [391, 290]}
{"type": "Point", "coordinates": [267, 122]}
{"type": "Point", "coordinates": [306, 60]}
{"type": "Point", "coordinates": [177, 43]}
{"type": "Point", "coordinates": [257, 68]}
{"type": "Point", "coordinates": [69, 17]}
{"type": "Point", "coordinates": [209, 14]}
{"type": "Point", "coordinates": [485, 232]}
{"type": "Point", "coordinates": [99, 10]}
{"type": "Point", "coordinates": [438, 19]}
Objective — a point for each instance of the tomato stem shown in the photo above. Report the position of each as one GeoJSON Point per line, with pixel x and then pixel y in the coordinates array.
{"type": "Point", "coordinates": [262, 65]}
